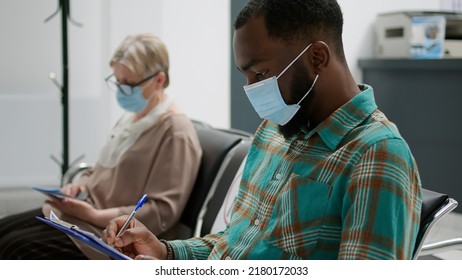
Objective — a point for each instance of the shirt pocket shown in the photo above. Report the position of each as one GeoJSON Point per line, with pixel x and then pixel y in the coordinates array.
{"type": "Point", "coordinates": [297, 216]}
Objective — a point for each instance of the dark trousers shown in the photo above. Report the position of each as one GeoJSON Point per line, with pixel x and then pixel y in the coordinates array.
{"type": "Point", "coordinates": [23, 237]}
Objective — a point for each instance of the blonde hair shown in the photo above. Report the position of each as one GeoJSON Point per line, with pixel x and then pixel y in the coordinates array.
{"type": "Point", "coordinates": [143, 54]}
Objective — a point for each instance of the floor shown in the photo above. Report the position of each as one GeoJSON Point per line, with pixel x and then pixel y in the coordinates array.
{"type": "Point", "coordinates": [448, 227]}
{"type": "Point", "coordinates": [19, 199]}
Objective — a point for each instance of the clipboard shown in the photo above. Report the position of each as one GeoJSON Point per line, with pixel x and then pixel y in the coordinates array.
{"type": "Point", "coordinates": [56, 192]}
{"type": "Point", "coordinates": [86, 237]}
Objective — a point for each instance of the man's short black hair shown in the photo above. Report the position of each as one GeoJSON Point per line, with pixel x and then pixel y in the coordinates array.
{"type": "Point", "coordinates": [298, 20]}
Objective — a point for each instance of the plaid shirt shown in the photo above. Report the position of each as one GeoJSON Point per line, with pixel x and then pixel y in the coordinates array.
{"type": "Point", "coordinates": [349, 189]}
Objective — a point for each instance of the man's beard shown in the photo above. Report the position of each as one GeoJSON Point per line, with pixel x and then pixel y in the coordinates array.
{"type": "Point", "coordinates": [298, 88]}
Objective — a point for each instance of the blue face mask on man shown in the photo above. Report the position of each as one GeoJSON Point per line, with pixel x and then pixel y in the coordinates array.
{"type": "Point", "coordinates": [266, 98]}
{"type": "Point", "coordinates": [135, 102]}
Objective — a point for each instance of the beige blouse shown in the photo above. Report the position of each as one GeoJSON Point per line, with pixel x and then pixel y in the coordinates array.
{"type": "Point", "coordinates": [163, 162]}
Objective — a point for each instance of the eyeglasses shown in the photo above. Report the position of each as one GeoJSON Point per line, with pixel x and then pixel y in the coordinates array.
{"type": "Point", "coordinates": [126, 89]}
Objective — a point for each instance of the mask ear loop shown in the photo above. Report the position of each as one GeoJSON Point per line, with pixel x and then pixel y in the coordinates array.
{"type": "Point", "coordinates": [149, 82]}
{"type": "Point", "coordinates": [315, 79]}
{"type": "Point", "coordinates": [312, 86]}
{"type": "Point", "coordinates": [293, 61]}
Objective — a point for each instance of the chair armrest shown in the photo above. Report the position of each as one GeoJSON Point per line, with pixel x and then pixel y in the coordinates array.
{"type": "Point", "coordinates": [441, 246]}
{"type": "Point", "coordinates": [73, 171]}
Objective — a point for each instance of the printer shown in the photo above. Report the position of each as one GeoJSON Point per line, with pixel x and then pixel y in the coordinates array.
{"type": "Point", "coordinates": [419, 35]}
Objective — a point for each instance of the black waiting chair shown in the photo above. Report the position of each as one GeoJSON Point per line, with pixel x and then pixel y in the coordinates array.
{"type": "Point", "coordinates": [215, 200]}
{"type": "Point", "coordinates": [220, 149]}
{"type": "Point", "coordinates": [434, 207]}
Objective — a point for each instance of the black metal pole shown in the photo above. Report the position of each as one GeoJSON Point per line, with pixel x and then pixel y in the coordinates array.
{"type": "Point", "coordinates": [65, 86]}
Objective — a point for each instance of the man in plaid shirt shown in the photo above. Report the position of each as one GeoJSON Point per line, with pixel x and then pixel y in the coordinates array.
{"type": "Point", "coordinates": [328, 176]}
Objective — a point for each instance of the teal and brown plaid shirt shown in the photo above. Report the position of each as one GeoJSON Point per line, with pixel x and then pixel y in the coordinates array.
{"type": "Point", "coordinates": [349, 189]}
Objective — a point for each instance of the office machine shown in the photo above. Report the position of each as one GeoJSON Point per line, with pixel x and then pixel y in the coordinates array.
{"type": "Point", "coordinates": [419, 35]}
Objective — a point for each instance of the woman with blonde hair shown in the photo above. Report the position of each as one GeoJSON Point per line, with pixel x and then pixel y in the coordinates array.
{"type": "Point", "coordinates": [152, 149]}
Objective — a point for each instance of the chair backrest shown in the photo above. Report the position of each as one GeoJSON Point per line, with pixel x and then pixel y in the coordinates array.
{"type": "Point", "coordinates": [434, 206]}
{"type": "Point", "coordinates": [228, 178]}
{"type": "Point", "coordinates": [215, 144]}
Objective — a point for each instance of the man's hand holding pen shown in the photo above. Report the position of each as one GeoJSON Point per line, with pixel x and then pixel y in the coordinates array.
{"type": "Point", "coordinates": [133, 238]}
{"type": "Point", "coordinates": [136, 241]}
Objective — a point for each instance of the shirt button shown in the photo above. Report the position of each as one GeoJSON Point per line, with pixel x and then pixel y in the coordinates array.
{"type": "Point", "coordinates": [228, 258]}
{"type": "Point", "coordinates": [256, 222]}
{"type": "Point", "coordinates": [278, 176]}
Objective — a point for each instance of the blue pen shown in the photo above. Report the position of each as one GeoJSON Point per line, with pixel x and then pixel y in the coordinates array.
{"type": "Point", "coordinates": [137, 207]}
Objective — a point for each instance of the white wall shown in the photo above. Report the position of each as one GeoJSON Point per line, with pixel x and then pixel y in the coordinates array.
{"type": "Point", "coordinates": [196, 33]}
{"type": "Point", "coordinates": [30, 110]}
{"type": "Point", "coordinates": [197, 36]}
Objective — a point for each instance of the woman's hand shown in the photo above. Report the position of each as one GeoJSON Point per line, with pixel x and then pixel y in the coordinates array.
{"type": "Point", "coordinates": [74, 208]}
{"type": "Point", "coordinates": [136, 241]}
{"type": "Point", "coordinates": [73, 189]}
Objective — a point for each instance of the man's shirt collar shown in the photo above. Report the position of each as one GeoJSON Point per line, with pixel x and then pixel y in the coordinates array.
{"type": "Point", "coordinates": [346, 118]}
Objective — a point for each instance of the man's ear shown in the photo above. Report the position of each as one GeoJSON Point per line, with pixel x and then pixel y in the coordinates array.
{"type": "Point", "coordinates": [320, 57]}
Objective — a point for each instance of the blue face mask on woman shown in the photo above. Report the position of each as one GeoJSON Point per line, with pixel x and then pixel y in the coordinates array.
{"type": "Point", "coordinates": [133, 103]}
{"type": "Point", "coordinates": [130, 97]}
{"type": "Point", "coordinates": [266, 98]}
